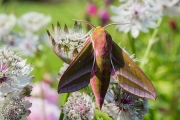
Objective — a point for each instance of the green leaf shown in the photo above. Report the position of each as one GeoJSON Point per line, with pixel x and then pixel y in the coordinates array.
{"type": "Point", "coordinates": [98, 118]}
{"type": "Point", "coordinates": [99, 114]}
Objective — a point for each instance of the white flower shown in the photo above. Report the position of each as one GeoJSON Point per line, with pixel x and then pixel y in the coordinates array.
{"type": "Point", "coordinates": [33, 21]}
{"type": "Point", "coordinates": [14, 107]}
{"type": "Point", "coordinates": [28, 44]}
{"type": "Point", "coordinates": [10, 39]}
{"type": "Point", "coordinates": [138, 15]}
{"type": "Point", "coordinates": [124, 106]}
{"type": "Point", "coordinates": [169, 7]}
{"type": "Point", "coordinates": [14, 74]}
{"type": "Point", "coordinates": [162, 3]}
{"type": "Point", "coordinates": [172, 7]}
{"type": "Point", "coordinates": [67, 43]}
{"type": "Point", "coordinates": [174, 10]}
{"type": "Point", "coordinates": [7, 22]}
{"type": "Point", "coordinates": [63, 69]}
{"type": "Point", "coordinates": [79, 107]}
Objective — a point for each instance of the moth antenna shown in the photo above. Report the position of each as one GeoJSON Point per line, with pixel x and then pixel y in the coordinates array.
{"type": "Point", "coordinates": [115, 24]}
{"type": "Point", "coordinates": [85, 22]}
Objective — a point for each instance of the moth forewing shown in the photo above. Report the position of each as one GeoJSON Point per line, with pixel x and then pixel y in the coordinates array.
{"type": "Point", "coordinates": [77, 75]}
{"type": "Point", "coordinates": [129, 76]}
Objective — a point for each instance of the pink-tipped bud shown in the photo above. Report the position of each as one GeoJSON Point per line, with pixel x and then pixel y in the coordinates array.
{"type": "Point", "coordinates": [92, 9]}
{"type": "Point", "coordinates": [173, 24]}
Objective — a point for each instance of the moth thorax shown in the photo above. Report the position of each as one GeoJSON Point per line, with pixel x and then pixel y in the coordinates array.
{"type": "Point", "coordinates": [98, 33]}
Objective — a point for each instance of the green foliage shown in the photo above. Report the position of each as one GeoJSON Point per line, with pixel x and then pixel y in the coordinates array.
{"type": "Point", "coordinates": [101, 115]}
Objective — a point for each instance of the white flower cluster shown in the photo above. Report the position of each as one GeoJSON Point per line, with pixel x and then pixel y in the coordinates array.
{"type": "Point", "coordinates": [33, 21]}
{"type": "Point", "coordinates": [7, 22]}
{"type": "Point", "coordinates": [14, 107]}
{"type": "Point", "coordinates": [79, 107]}
{"type": "Point", "coordinates": [124, 106]}
{"type": "Point", "coordinates": [67, 43]}
{"type": "Point", "coordinates": [28, 42]}
{"type": "Point", "coordinates": [14, 81]}
{"type": "Point", "coordinates": [141, 15]}
{"type": "Point", "coordinates": [63, 69]}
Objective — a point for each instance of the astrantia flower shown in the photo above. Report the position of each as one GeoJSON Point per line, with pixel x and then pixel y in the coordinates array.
{"type": "Point", "coordinates": [138, 15]}
{"type": "Point", "coordinates": [124, 106]}
{"type": "Point", "coordinates": [11, 39]}
{"type": "Point", "coordinates": [33, 21]}
{"type": "Point", "coordinates": [67, 43]}
{"type": "Point", "coordinates": [14, 107]}
{"type": "Point", "coordinates": [7, 22]}
{"type": "Point", "coordinates": [43, 110]}
{"type": "Point", "coordinates": [63, 69]}
{"type": "Point", "coordinates": [27, 44]}
{"type": "Point", "coordinates": [79, 107]}
{"type": "Point", "coordinates": [168, 7]}
{"type": "Point", "coordinates": [14, 73]}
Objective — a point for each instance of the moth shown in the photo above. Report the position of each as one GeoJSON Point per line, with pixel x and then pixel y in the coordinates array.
{"type": "Point", "coordinates": [99, 59]}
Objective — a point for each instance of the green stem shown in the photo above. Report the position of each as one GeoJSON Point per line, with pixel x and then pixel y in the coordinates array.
{"type": "Point", "coordinates": [150, 43]}
{"type": "Point", "coordinates": [64, 98]}
{"type": "Point", "coordinates": [61, 116]}
{"type": "Point", "coordinates": [132, 43]}
{"type": "Point", "coordinates": [1, 2]}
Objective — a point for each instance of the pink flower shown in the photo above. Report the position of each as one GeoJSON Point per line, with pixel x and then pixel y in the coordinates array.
{"type": "Point", "coordinates": [91, 9]}
{"type": "Point", "coordinates": [44, 90]}
{"type": "Point", "coordinates": [43, 110]}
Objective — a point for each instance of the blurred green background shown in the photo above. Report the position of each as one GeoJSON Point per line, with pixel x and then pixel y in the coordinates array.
{"type": "Point", "coordinates": [163, 67]}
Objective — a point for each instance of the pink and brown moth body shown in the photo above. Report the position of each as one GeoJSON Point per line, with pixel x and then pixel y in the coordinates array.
{"type": "Point", "coordinates": [100, 74]}
{"type": "Point", "coordinates": [99, 59]}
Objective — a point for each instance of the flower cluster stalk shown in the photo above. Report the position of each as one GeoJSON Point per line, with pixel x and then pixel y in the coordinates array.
{"type": "Point", "coordinates": [150, 43]}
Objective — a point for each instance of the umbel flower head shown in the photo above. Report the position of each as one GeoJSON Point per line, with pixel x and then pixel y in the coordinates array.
{"type": "Point", "coordinates": [26, 44]}
{"type": "Point", "coordinates": [7, 22]}
{"type": "Point", "coordinates": [63, 69]}
{"type": "Point", "coordinates": [14, 107]}
{"type": "Point", "coordinates": [14, 73]}
{"type": "Point", "coordinates": [67, 43]}
{"type": "Point", "coordinates": [122, 105]}
{"type": "Point", "coordinates": [33, 21]}
{"type": "Point", "coordinates": [168, 7]}
{"type": "Point", "coordinates": [138, 14]}
{"type": "Point", "coordinates": [79, 107]}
